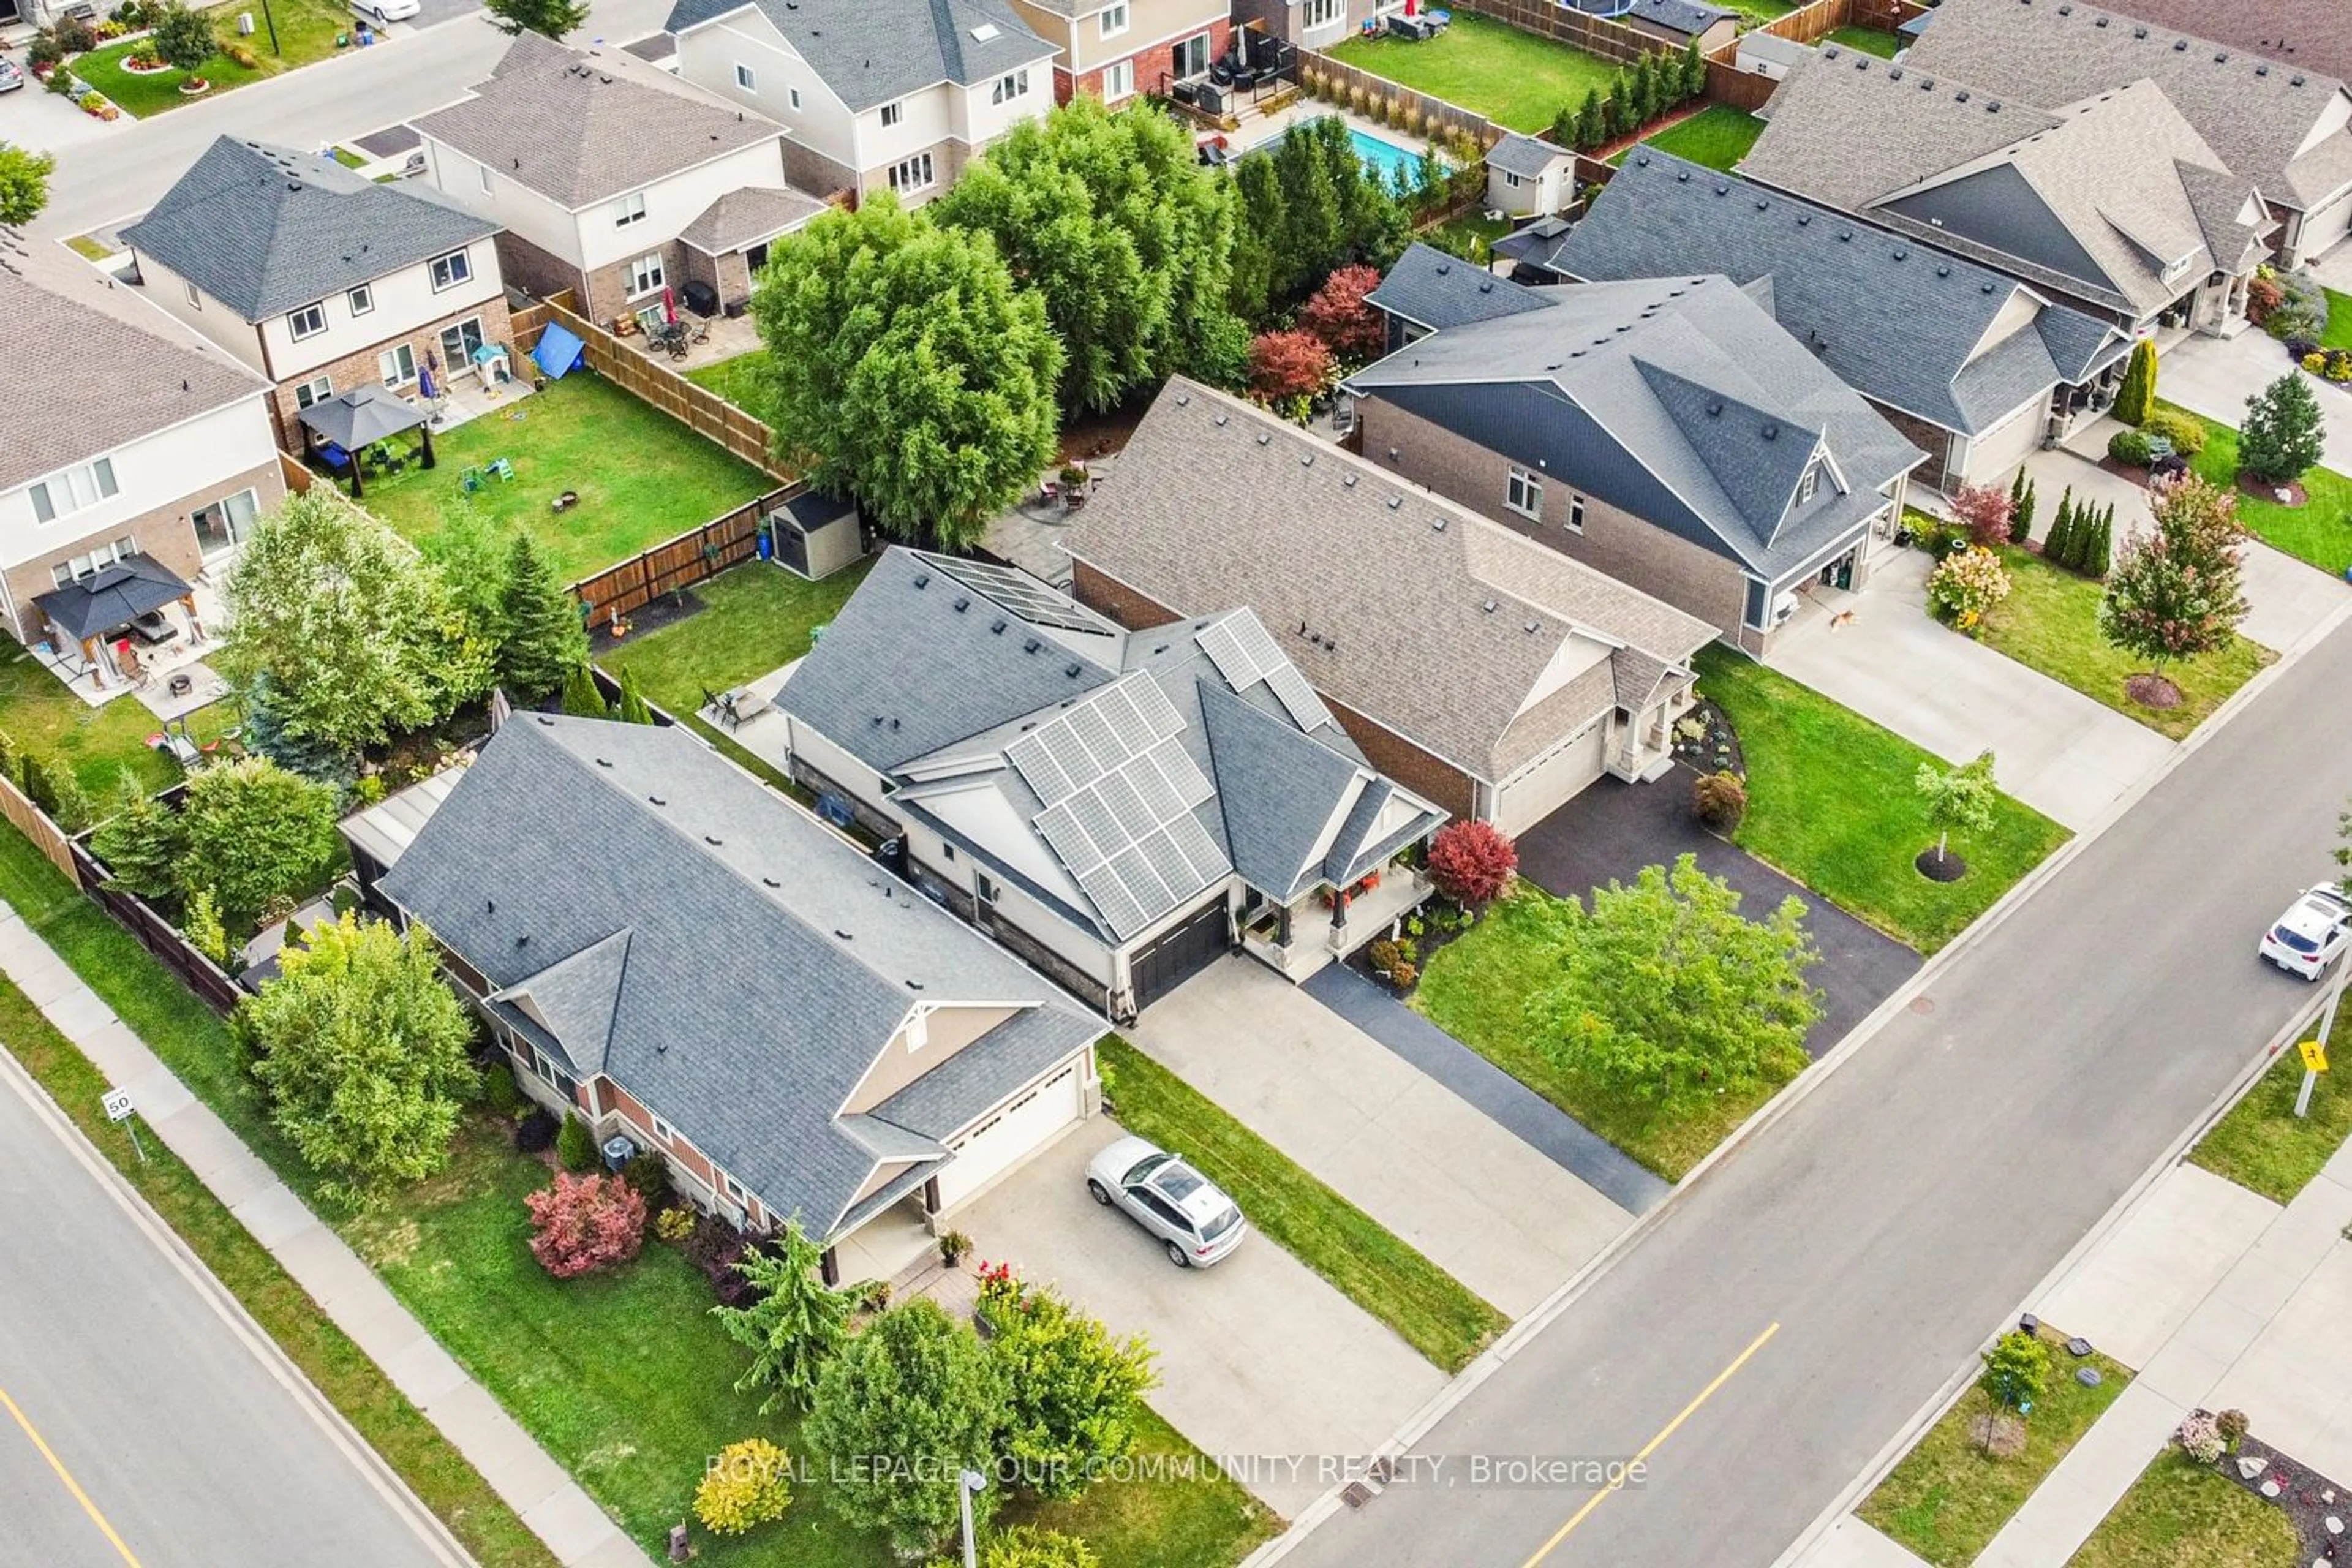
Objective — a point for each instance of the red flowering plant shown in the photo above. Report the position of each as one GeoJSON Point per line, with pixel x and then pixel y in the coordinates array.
{"type": "Point", "coordinates": [1002, 1291]}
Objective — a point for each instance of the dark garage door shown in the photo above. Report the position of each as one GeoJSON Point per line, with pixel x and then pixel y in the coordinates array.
{"type": "Point", "coordinates": [1176, 955]}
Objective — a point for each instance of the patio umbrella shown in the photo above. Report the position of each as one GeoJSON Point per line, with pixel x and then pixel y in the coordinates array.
{"type": "Point", "coordinates": [425, 387]}
{"type": "Point", "coordinates": [669, 304]}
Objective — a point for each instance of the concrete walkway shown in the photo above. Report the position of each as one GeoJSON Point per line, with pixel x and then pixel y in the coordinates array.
{"type": "Point", "coordinates": [549, 1501]}
{"type": "Point", "coordinates": [1472, 1196]}
{"type": "Point", "coordinates": [2214, 376]}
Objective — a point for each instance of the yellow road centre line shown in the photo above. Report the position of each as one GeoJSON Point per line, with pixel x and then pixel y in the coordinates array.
{"type": "Point", "coordinates": [66, 1476]}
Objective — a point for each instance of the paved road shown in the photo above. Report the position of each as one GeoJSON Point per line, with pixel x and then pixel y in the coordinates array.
{"type": "Point", "coordinates": [1901, 1212]}
{"type": "Point", "coordinates": [195, 1445]}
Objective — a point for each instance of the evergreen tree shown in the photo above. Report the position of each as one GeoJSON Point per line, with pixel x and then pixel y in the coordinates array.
{"type": "Point", "coordinates": [55, 789]}
{"type": "Point", "coordinates": [1310, 234]}
{"type": "Point", "coordinates": [2102, 553]}
{"type": "Point", "coordinates": [1563, 126]}
{"type": "Point", "coordinates": [633, 708]}
{"type": "Point", "coordinates": [2284, 433]}
{"type": "Point", "coordinates": [142, 843]}
{"type": "Point", "coordinates": [1694, 72]}
{"type": "Point", "coordinates": [544, 638]}
{"type": "Point", "coordinates": [2136, 395]}
{"type": "Point", "coordinates": [2061, 530]}
{"type": "Point", "coordinates": [1646, 87]}
{"type": "Point", "coordinates": [1624, 108]}
{"type": "Point", "coordinates": [1592, 121]}
{"type": "Point", "coordinates": [2021, 521]}
{"type": "Point", "coordinates": [1257, 235]}
{"type": "Point", "coordinates": [582, 698]}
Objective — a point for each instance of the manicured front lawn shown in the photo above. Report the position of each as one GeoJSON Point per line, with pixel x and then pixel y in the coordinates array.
{"type": "Point", "coordinates": [1717, 136]}
{"type": "Point", "coordinates": [1831, 801]}
{"type": "Point", "coordinates": [736, 380]}
{"type": "Point", "coordinates": [1949, 1497]}
{"type": "Point", "coordinates": [2050, 622]}
{"type": "Point", "coordinates": [1434, 1313]}
{"type": "Point", "coordinates": [2262, 1146]}
{"type": "Point", "coordinates": [2180, 1514]}
{"type": "Point", "coordinates": [43, 717]}
{"type": "Point", "coordinates": [1476, 989]}
{"type": "Point", "coordinates": [307, 30]}
{"type": "Point", "coordinates": [2319, 532]}
{"type": "Point", "coordinates": [642, 477]}
{"type": "Point", "coordinates": [2338, 334]}
{"type": "Point", "coordinates": [1512, 78]}
{"type": "Point", "coordinates": [1868, 40]}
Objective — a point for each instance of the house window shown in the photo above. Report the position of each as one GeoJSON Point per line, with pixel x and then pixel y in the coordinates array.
{"type": "Point", "coordinates": [1009, 88]}
{"type": "Point", "coordinates": [361, 299]}
{"type": "Point", "coordinates": [984, 887]}
{"type": "Point", "coordinates": [1119, 81]}
{"type": "Point", "coordinates": [662, 1133]}
{"type": "Point", "coordinates": [222, 525]}
{"type": "Point", "coordinates": [1575, 512]}
{"type": "Point", "coordinates": [1525, 494]}
{"type": "Point", "coordinates": [746, 78]}
{"type": "Point", "coordinates": [893, 114]}
{"type": "Point", "coordinates": [912, 174]}
{"type": "Point", "coordinates": [645, 274]}
{"type": "Point", "coordinates": [396, 365]}
{"type": "Point", "coordinates": [629, 210]}
{"type": "Point", "coordinates": [70, 492]}
{"type": "Point", "coordinates": [1810, 483]}
{"type": "Point", "coordinates": [318, 389]}
{"type": "Point", "coordinates": [1325, 13]}
{"type": "Point", "coordinates": [308, 323]}
{"type": "Point", "coordinates": [734, 1187]}
{"type": "Point", "coordinates": [792, 96]}
{"type": "Point", "coordinates": [81, 566]}
{"type": "Point", "coordinates": [1512, 181]}
{"type": "Point", "coordinates": [1113, 20]}
{"type": "Point", "coordinates": [450, 270]}
{"type": "Point", "coordinates": [196, 298]}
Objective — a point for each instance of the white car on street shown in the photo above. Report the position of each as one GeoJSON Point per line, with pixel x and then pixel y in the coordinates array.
{"type": "Point", "coordinates": [387, 11]}
{"type": "Point", "coordinates": [2316, 929]}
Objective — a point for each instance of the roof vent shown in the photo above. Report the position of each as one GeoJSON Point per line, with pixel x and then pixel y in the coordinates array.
{"type": "Point", "coordinates": [996, 628]}
{"type": "Point", "coordinates": [2295, 80]}
{"type": "Point", "coordinates": [2139, 32]}
{"type": "Point", "coordinates": [1845, 236]}
{"type": "Point", "coordinates": [961, 604]}
{"type": "Point", "coordinates": [1926, 84]}
{"type": "Point", "coordinates": [2221, 57]}
{"type": "Point", "coordinates": [843, 934]}
{"type": "Point", "coordinates": [1895, 73]}
{"type": "Point", "coordinates": [2100, 21]}
{"type": "Point", "coordinates": [1349, 480]}
{"type": "Point", "coordinates": [1770, 432]}
{"type": "Point", "coordinates": [1986, 288]}
{"type": "Point", "coordinates": [546, 723]}
{"type": "Point", "coordinates": [2065, 10]}
{"type": "Point", "coordinates": [1488, 286]}
{"type": "Point", "coordinates": [603, 762]}
{"type": "Point", "coordinates": [770, 882]}
{"type": "Point", "coordinates": [1713, 406]}
{"type": "Point", "coordinates": [1222, 418]}
{"type": "Point", "coordinates": [1533, 626]}
{"type": "Point", "coordinates": [1861, 62]}
{"type": "Point", "coordinates": [1682, 176]}
{"type": "Point", "coordinates": [922, 579]}
{"type": "Point", "coordinates": [1307, 459]}
{"type": "Point", "coordinates": [914, 986]}
{"type": "Point", "coordinates": [1804, 218]}
{"type": "Point", "coordinates": [1761, 204]}
{"type": "Point", "coordinates": [1444, 268]}
{"type": "Point", "coordinates": [523, 941]}
{"type": "Point", "coordinates": [1489, 607]}
{"type": "Point", "coordinates": [1183, 400]}
{"type": "Point", "coordinates": [1029, 644]}
{"type": "Point", "coordinates": [1437, 525]}
{"type": "Point", "coordinates": [2179, 46]}
{"type": "Point", "coordinates": [1722, 190]}
{"type": "Point", "coordinates": [1994, 107]}
{"type": "Point", "coordinates": [1961, 96]}
{"type": "Point", "coordinates": [2262, 70]}
{"type": "Point", "coordinates": [712, 840]}
{"type": "Point", "coordinates": [1071, 670]}
{"type": "Point", "coordinates": [1395, 501]}
{"type": "Point", "coordinates": [1942, 270]}
{"type": "Point", "coordinates": [1266, 437]}
{"type": "Point", "coordinates": [658, 800]}
{"type": "Point", "coordinates": [1898, 253]}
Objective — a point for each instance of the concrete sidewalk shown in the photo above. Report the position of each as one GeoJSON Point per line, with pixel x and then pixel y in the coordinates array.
{"type": "Point", "coordinates": [549, 1501]}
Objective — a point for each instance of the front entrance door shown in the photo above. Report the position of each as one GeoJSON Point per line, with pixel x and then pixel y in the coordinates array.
{"type": "Point", "coordinates": [458, 343]}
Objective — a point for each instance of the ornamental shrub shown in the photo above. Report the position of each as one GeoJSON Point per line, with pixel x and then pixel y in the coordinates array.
{"type": "Point", "coordinates": [1027, 1546]}
{"type": "Point", "coordinates": [2129, 447]}
{"type": "Point", "coordinates": [2233, 1424]}
{"type": "Point", "coordinates": [674, 1226]}
{"type": "Point", "coordinates": [502, 1096]}
{"type": "Point", "coordinates": [2185, 431]}
{"type": "Point", "coordinates": [1721, 801]}
{"type": "Point", "coordinates": [535, 1131]}
{"type": "Point", "coordinates": [747, 1484]}
{"type": "Point", "coordinates": [575, 1145]}
{"type": "Point", "coordinates": [1472, 862]}
{"type": "Point", "coordinates": [586, 1223]}
{"type": "Point", "coordinates": [2200, 1436]}
{"type": "Point", "coordinates": [1965, 586]}
{"type": "Point", "coordinates": [55, 789]}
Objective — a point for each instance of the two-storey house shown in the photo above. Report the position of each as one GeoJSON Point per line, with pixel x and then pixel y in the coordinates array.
{"type": "Point", "coordinates": [1117, 49]}
{"type": "Point", "coordinates": [874, 95]}
{"type": "Point", "coordinates": [317, 278]}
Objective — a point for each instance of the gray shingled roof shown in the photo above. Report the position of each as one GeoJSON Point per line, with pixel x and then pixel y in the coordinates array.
{"type": "Point", "coordinates": [1904, 325]}
{"type": "Point", "coordinates": [265, 230]}
{"type": "Point", "coordinates": [1431, 289]}
{"type": "Point", "coordinates": [767, 961]}
{"type": "Point", "coordinates": [581, 126]}
{"type": "Point", "coordinates": [742, 219]}
{"type": "Point", "coordinates": [871, 52]}
{"type": "Point", "coordinates": [1688, 17]}
{"type": "Point", "coordinates": [1525, 155]}
{"type": "Point", "coordinates": [1219, 502]}
{"type": "Point", "coordinates": [134, 371]}
{"type": "Point", "coordinates": [1678, 400]}
{"type": "Point", "coordinates": [2261, 116]}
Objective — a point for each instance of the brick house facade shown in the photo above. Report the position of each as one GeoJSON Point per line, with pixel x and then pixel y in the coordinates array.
{"type": "Point", "coordinates": [363, 367]}
{"type": "Point", "coordinates": [1154, 66]}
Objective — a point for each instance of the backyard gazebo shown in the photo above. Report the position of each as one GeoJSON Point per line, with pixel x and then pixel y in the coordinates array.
{"type": "Point", "coordinates": [84, 611]}
{"type": "Point", "coordinates": [346, 425]}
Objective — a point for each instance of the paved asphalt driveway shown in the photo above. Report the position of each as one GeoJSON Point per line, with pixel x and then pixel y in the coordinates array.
{"type": "Point", "coordinates": [1614, 829]}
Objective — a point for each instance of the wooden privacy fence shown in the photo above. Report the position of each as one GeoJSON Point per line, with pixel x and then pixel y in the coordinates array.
{"type": "Point", "coordinates": [1728, 84]}
{"type": "Point", "coordinates": [681, 562]}
{"type": "Point", "coordinates": [156, 934]}
{"type": "Point", "coordinates": [705, 413]}
{"type": "Point", "coordinates": [1594, 34]}
{"type": "Point", "coordinates": [34, 822]}
{"type": "Point", "coordinates": [1342, 83]}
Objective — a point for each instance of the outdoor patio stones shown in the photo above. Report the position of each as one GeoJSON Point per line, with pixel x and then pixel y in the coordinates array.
{"type": "Point", "coordinates": [2078, 1346]}
{"type": "Point", "coordinates": [2088, 1376]}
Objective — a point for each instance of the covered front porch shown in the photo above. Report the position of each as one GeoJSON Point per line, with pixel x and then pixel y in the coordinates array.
{"type": "Point", "coordinates": [1297, 939]}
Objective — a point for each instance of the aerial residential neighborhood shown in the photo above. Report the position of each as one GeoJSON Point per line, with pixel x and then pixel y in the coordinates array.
{"type": "Point", "coordinates": [1176, 784]}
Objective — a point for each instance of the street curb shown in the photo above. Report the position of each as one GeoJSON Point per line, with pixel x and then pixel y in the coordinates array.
{"type": "Point", "coordinates": [1552, 1307]}
{"type": "Point", "coordinates": [1964, 1378]}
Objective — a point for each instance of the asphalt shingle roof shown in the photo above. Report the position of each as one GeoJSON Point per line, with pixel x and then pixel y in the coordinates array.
{"type": "Point", "coordinates": [1363, 581]}
{"type": "Point", "coordinates": [1525, 155]}
{"type": "Point", "coordinates": [1432, 289]}
{"type": "Point", "coordinates": [1679, 400]}
{"type": "Point", "coordinates": [265, 230]}
{"type": "Point", "coordinates": [581, 126]}
{"type": "Point", "coordinates": [2308, 34]}
{"type": "Point", "coordinates": [1688, 17]}
{"type": "Point", "coordinates": [134, 370]}
{"type": "Point", "coordinates": [767, 961]}
{"type": "Point", "coordinates": [871, 52]}
{"type": "Point", "coordinates": [744, 217]}
{"type": "Point", "coordinates": [1902, 325]}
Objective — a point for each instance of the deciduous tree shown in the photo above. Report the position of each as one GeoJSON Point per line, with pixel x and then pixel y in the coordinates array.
{"type": "Point", "coordinates": [1472, 862]}
{"type": "Point", "coordinates": [908, 370]}
{"type": "Point", "coordinates": [1341, 314]}
{"type": "Point", "coordinates": [582, 1224]}
{"type": "Point", "coordinates": [255, 834]}
{"type": "Point", "coordinates": [184, 38]}
{"type": "Point", "coordinates": [1073, 1392]}
{"type": "Point", "coordinates": [1961, 797]}
{"type": "Point", "coordinates": [794, 1324]}
{"type": "Point", "coordinates": [1665, 991]}
{"type": "Point", "coordinates": [1258, 234]}
{"type": "Point", "coordinates": [2284, 434]}
{"type": "Point", "coordinates": [1289, 365]}
{"type": "Point", "coordinates": [24, 184]}
{"type": "Point", "coordinates": [2015, 1370]}
{"type": "Point", "coordinates": [2176, 591]}
{"type": "Point", "coordinates": [549, 18]}
{"type": "Point", "coordinates": [1986, 512]}
{"type": "Point", "coordinates": [361, 1048]}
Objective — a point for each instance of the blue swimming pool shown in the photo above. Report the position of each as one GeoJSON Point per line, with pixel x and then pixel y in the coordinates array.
{"type": "Point", "coordinates": [1397, 165]}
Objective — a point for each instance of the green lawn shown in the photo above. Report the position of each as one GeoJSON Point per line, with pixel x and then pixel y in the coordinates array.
{"type": "Point", "coordinates": [1759, 11]}
{"type": "Point", "coordinates": [2050, 623]}
{"type": "Point", "coordinates": [1512, 78]}
{"type": "Point", "coordinates": [43, 717]}
{"type": "Point", "coordinates": [307, 30]}
{"type": "Point", "coordinates": [1717, 136]}
{"type": "Point", "coordinates": [1832, 804]}
{"type": "Point", "coordinates": [1947, 1498]}
{"type": "Point", "coordinates": [2179, 1514]}
{"type": "Point", "coordinates": [2262, 1146]}
{"type": "Point", "coordinates": [754, 618]}
{"type": "Point", "coordinates": [1470, 229]}
{"type": "Point", "coordinates": [1868, 40]}
{"type": "Point", "coordinates": [1476, 989]}
{"type": "Point", "coordinates": [2319, 532]}
{"type": "Point", "coordinates": [642, 476]}
{"type": "Point", "coordinates": [2338, 334]}
{"type": "Point", "coordinates": [1428, 1307]}
{"type": "Point", "coordinates": [736, 380]}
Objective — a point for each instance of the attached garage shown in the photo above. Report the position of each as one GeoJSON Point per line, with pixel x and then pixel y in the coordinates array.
{"type": "Point", "coordinates": [1006, 1135]}
{"type": "Point", "coordinates": [1177, 954]}
{"type": "Point", "coordinates": [1546, 783]}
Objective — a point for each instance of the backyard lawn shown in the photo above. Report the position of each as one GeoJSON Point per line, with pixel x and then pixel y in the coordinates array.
{"type": "Point", "coordinates": [1717, 136]}
{"type": "Point", "coordinates": [2319, 532]}
{"type": "Point", "coordinates": [1832, 804]}
{"type": "Point", "coordinates": [736, 380]}
{"type": "Point", "coordinates": [754, 618]}
{"type": "Point", "coordinates": [1512, 78]}
{"type": "Point", "coordinates": [1428, 1307]}
{"type": "Point", "coordinates": [43, 718]}
{"type": "Point", "coordinates": [1868, 40]}
{"type": "Point", "coordinates": [2181, 1514]}
{"type": "Point", "coordinates": [1473, 230]}
{"type": "Point", "coordinates": [642, 476]}
{"type": "Point", "coordinates": [307, 30]}
{"type": "Point", "coordinates": [2262, 1146]}
{"type": "Point", "coordinates": [1759, 10]}
{"type": "Point", "coordinates": [1476, 989]}
{"type": "Point", "coordinates": [1949, 1497]}
{"type": "Point", "coordinates": [2050, 623]}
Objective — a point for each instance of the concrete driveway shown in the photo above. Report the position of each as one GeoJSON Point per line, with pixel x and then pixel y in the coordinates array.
{"type": "Point", "coordinates": [2057, 751]}
{"type": "Point", "coordinates": [2216, 375]}
{"type": "Point", "coordinates": [1466, 1191]}
{"type": "Point", "coordinates": [1614, 829]}
{"type": "Point", "coordinates": [1258, 1357]}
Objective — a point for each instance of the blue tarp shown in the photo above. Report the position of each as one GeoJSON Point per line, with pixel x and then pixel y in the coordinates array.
{"type": "Point", "coordinates": [559, 350]}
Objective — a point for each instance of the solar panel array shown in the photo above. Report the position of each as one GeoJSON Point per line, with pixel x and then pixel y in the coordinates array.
{"type": "Point", "coordinates": [1119, 792]}
{"type": "Point", "coordinates": [1245, 653]}
{"type": "Point", "coordinates": [1022, 594]}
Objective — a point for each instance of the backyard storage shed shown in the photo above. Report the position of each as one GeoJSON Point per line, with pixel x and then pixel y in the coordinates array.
{"type": "Point", "coordinates": [816, 535]}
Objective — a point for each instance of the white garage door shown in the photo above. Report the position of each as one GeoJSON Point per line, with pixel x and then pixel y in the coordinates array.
{"type": "Point", "coordinates": [1539, 789]}
{"type": "Point", "coordinates": [1007, 1135]}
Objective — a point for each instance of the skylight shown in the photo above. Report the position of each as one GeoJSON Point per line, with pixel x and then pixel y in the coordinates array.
{"type": "Point", "coordinates": [984, 32]}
